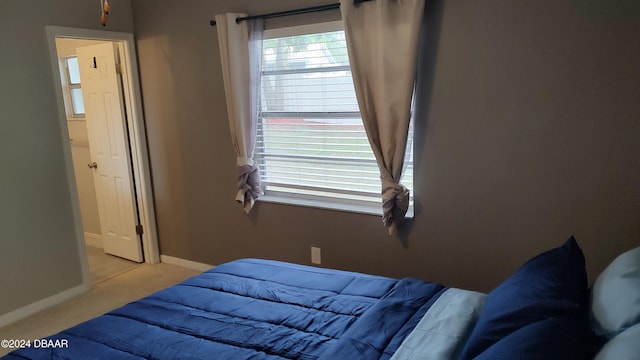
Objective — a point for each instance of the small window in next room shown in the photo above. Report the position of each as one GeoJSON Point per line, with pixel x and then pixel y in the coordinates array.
{"type": "Point", "coordinates": [72, 87]}
{"type": "Point", "coordinates": [311, 147]}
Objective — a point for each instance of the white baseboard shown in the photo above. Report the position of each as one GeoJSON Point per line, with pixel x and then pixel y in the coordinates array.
{"type": "Point", "coordinates": [43, 304]}
{"type": "Point", "coordinates": [185, 263]}
{"type": "Point", "coordinates": [92, 239]}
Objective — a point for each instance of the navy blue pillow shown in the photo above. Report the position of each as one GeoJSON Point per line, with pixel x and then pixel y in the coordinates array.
{"type": "Point", "coordinates": [553, 338]}
{"type": "Point", "coordinates": [551, 286]}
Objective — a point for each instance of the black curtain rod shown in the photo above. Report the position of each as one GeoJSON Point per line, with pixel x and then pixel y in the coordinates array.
{"type": "Point", "coordinates": [292, 12]}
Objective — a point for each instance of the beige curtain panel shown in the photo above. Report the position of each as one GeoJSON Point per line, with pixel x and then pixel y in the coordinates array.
{"type": "Point", "coordinates": [239, 49]}
{"type": "Point", "coordinates": [382, 41]}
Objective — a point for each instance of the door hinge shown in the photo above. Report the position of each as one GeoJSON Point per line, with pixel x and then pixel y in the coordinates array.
{"type": "Point", "coordinates": [139, 230]}
{"type": "Point", "coordinates": [119, 69]}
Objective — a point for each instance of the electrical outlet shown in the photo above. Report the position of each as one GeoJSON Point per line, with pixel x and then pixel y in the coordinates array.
{"type": "Point", "coordinates": [315, 255]}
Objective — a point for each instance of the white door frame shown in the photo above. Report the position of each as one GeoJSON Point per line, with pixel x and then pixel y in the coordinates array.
{"type": "Point", "coordinates": [137, 139]}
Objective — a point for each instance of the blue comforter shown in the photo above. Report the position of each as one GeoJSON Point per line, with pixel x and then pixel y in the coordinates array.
{"type": "Point", "coordinates": [255, 309]}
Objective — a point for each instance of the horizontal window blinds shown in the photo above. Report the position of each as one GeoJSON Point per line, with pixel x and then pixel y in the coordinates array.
{"type": "Point", "coordinates": [311, 139]}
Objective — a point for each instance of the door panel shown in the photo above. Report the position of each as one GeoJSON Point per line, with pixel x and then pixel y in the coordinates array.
{"type": "Point", "coordinates": [109, 148]}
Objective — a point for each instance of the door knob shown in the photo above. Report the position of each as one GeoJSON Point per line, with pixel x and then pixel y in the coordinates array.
{"type": "Point", "coordinates": [92, 165]}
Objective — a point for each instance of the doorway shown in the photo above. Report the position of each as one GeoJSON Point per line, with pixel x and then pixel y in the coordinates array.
{"type": "Point", "coordinates": [63, 43]}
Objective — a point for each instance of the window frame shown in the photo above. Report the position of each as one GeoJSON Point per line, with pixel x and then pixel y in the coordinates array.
{"type": "Point", "coordinates": [67, 87]}
{"type": "Point", "coordinates": [318, 201]}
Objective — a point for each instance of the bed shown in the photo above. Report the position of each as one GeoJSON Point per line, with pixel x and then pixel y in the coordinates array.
{"type": "Point", "coordinates": [262, 309]}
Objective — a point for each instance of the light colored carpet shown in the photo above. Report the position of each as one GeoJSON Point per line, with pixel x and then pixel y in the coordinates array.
{"type": "Point", "coordinates": [107, 295]}
{"type": "Point", "coordinates": [104, 266]}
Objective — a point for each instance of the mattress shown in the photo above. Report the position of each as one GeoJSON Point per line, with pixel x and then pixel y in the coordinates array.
{"type": "Point", "coordinates": [261, 309]}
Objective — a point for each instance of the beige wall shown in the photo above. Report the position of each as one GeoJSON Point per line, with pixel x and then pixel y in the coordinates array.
{"type": "Point", "coordinates": [39, 256]}
{"type": "Point", "coordinates": [528, 131]}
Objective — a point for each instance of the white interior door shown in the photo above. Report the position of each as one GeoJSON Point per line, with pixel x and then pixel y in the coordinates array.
{"type": "Point", "coordinates": [109, 148]}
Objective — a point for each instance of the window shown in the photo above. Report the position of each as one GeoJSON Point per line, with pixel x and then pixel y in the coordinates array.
{"type": "Point", "coordinates": [74, 90]}
{"type": "Point", "coordinates": [311, 147]}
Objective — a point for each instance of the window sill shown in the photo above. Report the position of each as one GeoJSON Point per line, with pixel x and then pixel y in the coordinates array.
{"type": "Point", "coordinates": [327, 204]}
